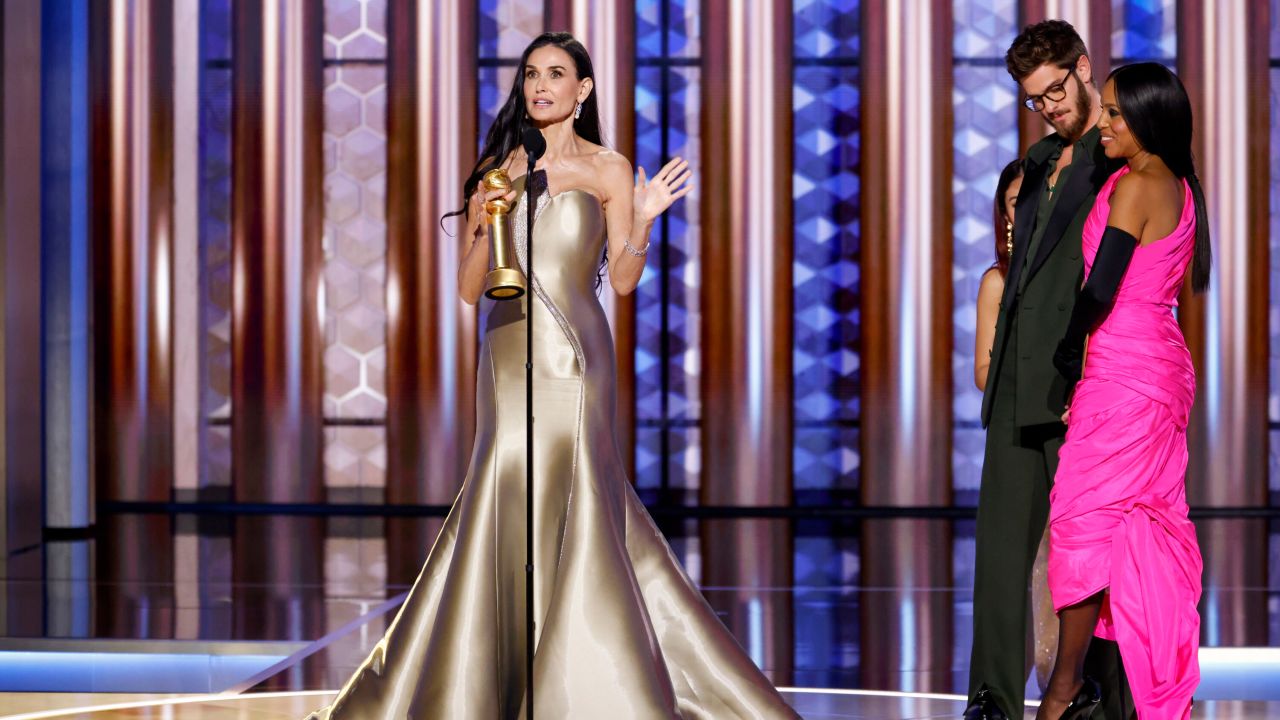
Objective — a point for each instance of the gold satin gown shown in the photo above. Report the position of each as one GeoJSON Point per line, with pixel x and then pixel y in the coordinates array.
{"type": "Point", "coordinates": [621, 631]}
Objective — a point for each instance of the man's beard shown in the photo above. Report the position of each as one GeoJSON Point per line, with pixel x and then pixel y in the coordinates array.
{"type": "Point", "coordinates": [1084, 108]}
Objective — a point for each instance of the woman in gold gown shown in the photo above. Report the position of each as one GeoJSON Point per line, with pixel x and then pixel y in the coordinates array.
{"type": "Point", "coordinates": [621, 631]}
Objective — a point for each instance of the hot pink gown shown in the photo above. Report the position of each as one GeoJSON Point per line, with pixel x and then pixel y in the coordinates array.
{"type": "Point", "coordinates": [1118, 509]}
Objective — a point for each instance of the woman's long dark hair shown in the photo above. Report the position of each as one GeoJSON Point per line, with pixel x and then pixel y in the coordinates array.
{"type": "Point", "coordinates": [1011, 172]}
{"type": "Point", "coordinates": [1157, 110]}
{"type": "Point", "coordinates": [505, 133]}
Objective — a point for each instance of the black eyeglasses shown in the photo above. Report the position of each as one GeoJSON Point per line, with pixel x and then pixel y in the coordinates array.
{"type": "Point", "coordinates": [1056, 92]}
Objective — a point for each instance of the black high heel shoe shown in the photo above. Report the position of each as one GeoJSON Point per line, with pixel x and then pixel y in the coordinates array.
{"type": "Point", "coordinates": [984, 707]}
{"type": "Point", "coordinates": [1085, 701]}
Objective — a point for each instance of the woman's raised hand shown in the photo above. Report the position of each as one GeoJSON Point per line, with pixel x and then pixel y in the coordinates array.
{"type": "Point", "coordinates": [654, 196]}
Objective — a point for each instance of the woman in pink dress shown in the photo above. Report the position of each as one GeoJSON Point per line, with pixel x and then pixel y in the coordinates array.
{"type": "Point", "coordinates": [1124, 563]}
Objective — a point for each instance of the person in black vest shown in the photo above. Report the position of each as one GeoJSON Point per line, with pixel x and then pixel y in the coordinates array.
{"type": "Point", "coordinates": [1025, 397]}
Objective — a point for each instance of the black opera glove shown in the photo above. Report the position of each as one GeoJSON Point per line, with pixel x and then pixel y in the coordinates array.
{"type": "Point", "coordinates": [1115, 250]}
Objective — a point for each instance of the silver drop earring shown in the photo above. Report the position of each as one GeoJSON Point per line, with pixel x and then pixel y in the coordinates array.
{"type": "Point", "coordinates": [577, 112]}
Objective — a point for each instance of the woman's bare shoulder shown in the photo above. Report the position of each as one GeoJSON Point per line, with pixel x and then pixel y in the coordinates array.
{"type": "Point", "coordinates": [992, 283]}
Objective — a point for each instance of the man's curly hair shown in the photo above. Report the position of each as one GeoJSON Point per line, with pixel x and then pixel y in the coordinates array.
{"type": "Point", "coordinates": [1052, 42]}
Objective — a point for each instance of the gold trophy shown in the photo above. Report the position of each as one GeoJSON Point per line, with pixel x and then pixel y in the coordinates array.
{"type": "Point", "coordinates": [504, 281]}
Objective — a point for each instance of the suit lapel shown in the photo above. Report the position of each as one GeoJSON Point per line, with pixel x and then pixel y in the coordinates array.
{"type": "Point", "coordinates": [1023, 226]}
{"type": "Point", "coordinates": [1080, 183]}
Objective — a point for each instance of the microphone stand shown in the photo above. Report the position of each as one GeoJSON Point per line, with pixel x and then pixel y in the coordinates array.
{"type": "Point", "coordinates": [534, 146]}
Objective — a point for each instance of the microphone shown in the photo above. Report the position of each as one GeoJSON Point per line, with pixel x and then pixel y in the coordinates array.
{"type": "Point", "coordinates": [534, 144]}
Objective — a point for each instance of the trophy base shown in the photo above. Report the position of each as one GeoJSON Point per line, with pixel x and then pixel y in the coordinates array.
{"type": "Point", "coordinates": [504, 284]}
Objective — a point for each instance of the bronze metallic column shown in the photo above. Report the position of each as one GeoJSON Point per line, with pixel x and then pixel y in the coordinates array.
{"type": "Point", "coordinates": [906, 269]}
{"type": "Point", "coordinates": [906, 346]}
{"type": "Point", "coordinates": [132, 237]}
{"type": "Point", "coordinates": [907, 630]}
{"type": "Point", "coordinates": [1233, 606]}
{"type": "Point", "coordinates": [134, 562]}
{"type": "Point", "coordinates": [21, 420]}
{"type": "Point", "coordinates": [607, 29]}
{"type": "Point", "coordinates": [1223, 61]}
{"type": "Point", "coordinates": [746, 253]}
{"type": "Point", "coordinates": [431, 343]}
{"type": "Point", "coordinates": [277, 581]}
{"type": "Point", "coordinates": [276, 223]}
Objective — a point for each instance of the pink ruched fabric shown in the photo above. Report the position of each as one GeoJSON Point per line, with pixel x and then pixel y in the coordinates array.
{"type": "Point", "coordinates": [1118, 509]}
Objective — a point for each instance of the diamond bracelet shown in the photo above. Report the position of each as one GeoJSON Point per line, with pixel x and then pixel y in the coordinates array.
{"type": "Point", "coordinates": [626, 245]}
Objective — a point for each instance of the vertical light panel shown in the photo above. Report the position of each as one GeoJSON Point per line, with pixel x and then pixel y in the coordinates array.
{"type": "Point", "coordinates": [826, 200]}
{"type": "Point", "coordinates": [215, 165]}
{"type": "Point", "coordinates": [746, 284]}
{"type": "Point", "coordinates": [355, 249]}
{"type": "Point", "coordinates": [985, 101]}
{"type": "Point", "coordinates": [1223, 61]}
{"type": "Point", "coordinates": [187, 421]}
{"type": "Point", "coordinates": [668, 343]}
{"type": "Point", "coordinates": [431, 348]}
{"type": "Point", "coordinates": [907, 329]}
{"type": "Point", "coordinates": [64, 250]}
{"type": "Point", "coordinates": [133, 228]}
{"type": "Point", "coordinates": [21, 423]}
{"type": "Point", "coordinates": [746, 295]}
{"type": "Point", "coordinates": [906, 280]}
{"type": "Point", "coordinates": [1273, 395]}
{"type": "Point", "coordinates": [1224, 65]}
{"type": "Point", "coordinates": [277, 215]}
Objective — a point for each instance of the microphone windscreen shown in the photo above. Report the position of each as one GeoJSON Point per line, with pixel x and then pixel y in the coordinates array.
{"type": "Point", "coordinates": [534, 143]}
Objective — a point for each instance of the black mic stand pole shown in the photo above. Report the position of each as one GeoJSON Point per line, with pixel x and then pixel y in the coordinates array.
{"type": "Point", "coordinates": [534, 147]}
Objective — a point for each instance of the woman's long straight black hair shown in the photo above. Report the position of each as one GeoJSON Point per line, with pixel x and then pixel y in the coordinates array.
{"type": "Point", "coordinates": [505, 133]}
{"type": "Point", "coordinates": [1156, 108]}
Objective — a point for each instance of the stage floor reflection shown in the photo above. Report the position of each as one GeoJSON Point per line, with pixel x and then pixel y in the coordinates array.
{"type": "Point", "coordinates": [813, 705]}
{"type": "Point", "coordinates": [216, 604]}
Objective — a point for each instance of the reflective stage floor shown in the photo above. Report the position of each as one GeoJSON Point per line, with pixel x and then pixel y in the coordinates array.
{"type": "Point", "coordinates": [258, 616]}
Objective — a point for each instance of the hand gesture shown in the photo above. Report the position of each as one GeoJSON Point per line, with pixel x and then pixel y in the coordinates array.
{"type": "Point", "coordinates": [653, 197]}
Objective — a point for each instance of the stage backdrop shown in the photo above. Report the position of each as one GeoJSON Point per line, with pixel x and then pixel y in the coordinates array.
{"type": "Point", "coordinates": [231, 282]}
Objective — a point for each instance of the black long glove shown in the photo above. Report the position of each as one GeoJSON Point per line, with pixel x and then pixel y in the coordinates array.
{"type": "Point", "coordinates": [1115, 250]}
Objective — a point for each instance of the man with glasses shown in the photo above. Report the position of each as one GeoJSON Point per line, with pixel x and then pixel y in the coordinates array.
{"type": "Point", "coordinates": [1025, 396]}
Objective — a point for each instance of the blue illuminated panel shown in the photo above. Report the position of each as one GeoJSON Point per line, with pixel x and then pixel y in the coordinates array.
{"type": "Point", "coordinates": [827, 207]}
{"type": "Point", "coordinates": [985, 103]}
{"type": "Point", "coordinates": [668, 411]}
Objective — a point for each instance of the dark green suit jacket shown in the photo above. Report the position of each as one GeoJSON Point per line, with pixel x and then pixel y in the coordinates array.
{"type": "Point", "coordinates": [1056, 271]}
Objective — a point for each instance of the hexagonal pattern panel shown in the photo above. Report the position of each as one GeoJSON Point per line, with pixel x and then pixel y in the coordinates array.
{"type": "Point", "coordinates": [355, 241]}
{"type": "Point", "coordinates": [355, 457]}
{"type": "Point", "coordinates": [506, 29]}
{"type": "Point", "coordinates": [826, 572]}
{"type": "Point", "coordinates": [826, 203]}
{"type": "Point", "coordinates": [985, 102]}
{"type": "Point", "coordinates": [827, 29]}
{"type": "Point", "coordinates": [215, 240]}
{"type": "Point", "coordinates": [355, 29]}
{"type": "Point", "coordinates": [1144, 30]}
{"type": "Point", "coordinates": [668, 407]}
{"type": "Point", "coordinates": [668, 29]}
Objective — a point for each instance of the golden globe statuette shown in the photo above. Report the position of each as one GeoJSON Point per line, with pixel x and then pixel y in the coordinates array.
{"type": "Point", "coordinates": [504, 281]}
